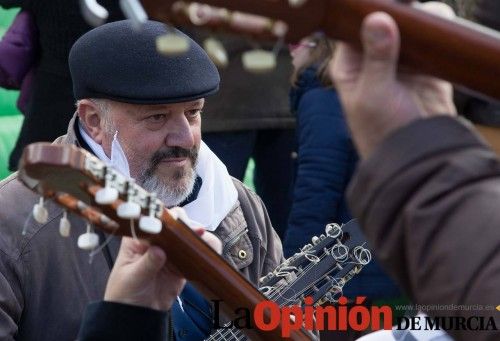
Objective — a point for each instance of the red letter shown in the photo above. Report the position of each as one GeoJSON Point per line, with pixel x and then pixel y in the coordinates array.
{"type": "Point", "coordinates": [357, 313]}
{"type": "Point", "coordinates": [273, 317]}
{"type": "Point", "coordinates": [308, 313]}
{"type": "Point", "coordinates": [376, 313]}
{"type": "Point", "coordinates": [291, 318]}
{"type": "Point", "coordinates": [342, 313]}
{"type": "Point", "coordinates": [320, 318]}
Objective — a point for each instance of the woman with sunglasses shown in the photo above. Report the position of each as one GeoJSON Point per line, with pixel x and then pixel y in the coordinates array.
{"type": "Point", "coordinates": [326, 158]}
{"type": "Point", "coordinates": [325, 154]}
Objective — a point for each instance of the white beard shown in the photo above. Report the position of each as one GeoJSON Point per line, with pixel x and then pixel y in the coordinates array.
{"type": "Point", "coordinates": [169, 193]}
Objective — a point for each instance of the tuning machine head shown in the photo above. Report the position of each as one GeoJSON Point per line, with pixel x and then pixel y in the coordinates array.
{"type": "Point", "coordinates": [89, 240]}
{"type": "Point", "coordinates": [150, 223]}
{"type": "Point", "coordinates": [216, 52]}
{"type": "Point", "coordinates": [172, 44]}
{"type": "Point", "coordinates": [40, 213]}
{"type": "Point", "coordinates": [64, 225]}
{"type": "Point", "coordinates": [259, 61]}
{"type": "Point", "coordinates": [296, 3]}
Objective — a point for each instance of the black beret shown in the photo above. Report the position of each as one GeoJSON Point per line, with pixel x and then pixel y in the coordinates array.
{"type": "Point", "coordinates": [117, 62]}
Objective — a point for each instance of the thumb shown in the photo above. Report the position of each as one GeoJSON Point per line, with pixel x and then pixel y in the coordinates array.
{"type": "Point", "coordinates": [150, 263]}
{"type": "Point", "coordinates": [381, 41]}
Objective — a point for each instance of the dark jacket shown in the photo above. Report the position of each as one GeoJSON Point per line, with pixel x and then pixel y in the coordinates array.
{"type": "Point", "coordinates": [105, 321]}
{"type": "Point", "coordinates": [59, 24]}
{"type": "Point", "coordinates": [114, 321]}
{"type": "Point", "coordinates": [428, 201]}
{"type": "Point", "coordinates": [324, 165]}
{"type": "Point", "coordinates": [46, 281]}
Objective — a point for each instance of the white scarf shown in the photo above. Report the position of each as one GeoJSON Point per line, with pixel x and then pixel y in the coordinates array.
{"type": "Point", "coordinates": [217, 195]}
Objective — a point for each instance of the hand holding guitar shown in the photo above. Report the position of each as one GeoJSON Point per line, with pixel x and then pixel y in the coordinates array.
{"type": "Point", "coordinates": [143, 276]}
{"type": "Point", "coordinates": [364, 82]}
{"type": "Point", "coordinates": [376, 98]}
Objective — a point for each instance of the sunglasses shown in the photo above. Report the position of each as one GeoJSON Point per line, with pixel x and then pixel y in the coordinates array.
{"type": "Point", "coordinates": [292, 47]}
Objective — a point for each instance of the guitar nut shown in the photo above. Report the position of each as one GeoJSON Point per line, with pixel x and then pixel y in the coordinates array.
{"type": "Point", "coordinates": [242, 254]}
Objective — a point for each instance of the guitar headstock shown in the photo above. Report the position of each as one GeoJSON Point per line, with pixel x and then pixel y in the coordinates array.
{"type": "Point", "coordinates": [321, 269]}
{"type": "Point", "coordinates": [84, 185]}
{"type": "Point", "coordinates": [271, 18]}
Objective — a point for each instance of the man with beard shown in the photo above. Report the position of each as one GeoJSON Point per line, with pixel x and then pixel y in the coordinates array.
{"type": "Point", "coordinates": [139, 112]}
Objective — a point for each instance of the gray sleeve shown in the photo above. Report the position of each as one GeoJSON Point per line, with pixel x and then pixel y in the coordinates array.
{"type": "Point", "coordinates": [11, 297]}
{"type": "Point", "coordinates": [428, 200]}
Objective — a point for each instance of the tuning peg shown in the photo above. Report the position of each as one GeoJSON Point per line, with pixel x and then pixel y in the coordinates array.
{"type": "Point", "coordinates": [129, 209]}
{"type": "Point", "coordinates": [64, 225]}
{"type": "Point", "coordinates": [172, 44]}
{"type": "Point", "coordinates": [259, 61]}
{"type": "Point", "coordinates": [40, 212]}
{"type": "Point", "coordinates": [150, 223]}
{"type": "Point", "coordinates": [134, 11]}
{"type": "Point", "coordinates": [333, 230]}
{"type": "Point", "coordinates": [93, 13]}
{"type": "Point", "coordinates": [296, 3]}
{"type": "Point", "coordinates": [89, 240]}
{"type": "Point", "coordinates": [106, 195]}
{"type": "Point", "coordinates": [306, 247]}
{"type": "Point", "coordinates": [216, 52]}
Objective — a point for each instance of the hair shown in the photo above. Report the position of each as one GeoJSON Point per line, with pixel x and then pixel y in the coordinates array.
{"type": "Point", "coordinates": [103, 106]}
{"type": "Point", "coordinates": [319, 55]}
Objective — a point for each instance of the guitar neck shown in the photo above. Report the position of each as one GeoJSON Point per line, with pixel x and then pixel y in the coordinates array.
{"type": "Point", "coordinates": [72, 177]}
{"type": "Point", "coordinates": [453, 50]}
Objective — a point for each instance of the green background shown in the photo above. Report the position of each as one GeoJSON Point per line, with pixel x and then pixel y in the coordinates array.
{"type": "Point", "coordinates": [10, 117]}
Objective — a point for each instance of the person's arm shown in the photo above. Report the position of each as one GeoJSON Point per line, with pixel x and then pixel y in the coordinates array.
{"type": "Point", "coordinates": [429, 207]}
{"type": "Point", "coordinates": [325, 164]}
{"type": "Point", "coordinates": [11, 296]}
{"type": "Point", "coordinates": [143, 285]}
{"type": "Point", "coordinates": [427, 193]}
{"type": "Point", "coordinates": [117, 321]}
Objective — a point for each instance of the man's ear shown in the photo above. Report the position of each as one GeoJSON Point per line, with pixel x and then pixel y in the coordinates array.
{"type": "Point", "coordinates": [91, 119]}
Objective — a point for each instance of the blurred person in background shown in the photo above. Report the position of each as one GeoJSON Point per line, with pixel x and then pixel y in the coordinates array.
{"type": "Point", "coordinates": [325, 163]}
{"type": "Point", "coordinates": [50, 103]}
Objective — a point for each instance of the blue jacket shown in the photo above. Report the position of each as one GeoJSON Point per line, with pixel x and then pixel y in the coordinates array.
{"type": "Point", "coordinates": [325, 163]}
{"type": "Point", "coordinates": [192, 318]}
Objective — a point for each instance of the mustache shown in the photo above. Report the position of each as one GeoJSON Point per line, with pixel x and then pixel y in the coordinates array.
{"type": "Point", "coordinates": [174, 152]}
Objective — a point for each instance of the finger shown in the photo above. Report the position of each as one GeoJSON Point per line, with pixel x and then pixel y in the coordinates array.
{"type": "Point", "coordinates": [381, 42]}
{"type": "Point", "coordinates": [199, 231]}
{"type": "Point", "coordinates": [212, 240]}
{"type": "Point", "coordinates": [150, 263]}
{"type": "Point", "coordinates": [129, 250]}
{"type": "Point", "coordinates": [437, 8]}
{"type": "Point", "coordinates": [345, 65]}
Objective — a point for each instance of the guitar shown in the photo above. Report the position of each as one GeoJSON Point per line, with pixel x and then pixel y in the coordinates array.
{"type": "Point", "coordinates": [454, 50]}
{"type": "Point", "coordinates": [320, 270]}
{"type": "Point", "coordinates": [81, 183]}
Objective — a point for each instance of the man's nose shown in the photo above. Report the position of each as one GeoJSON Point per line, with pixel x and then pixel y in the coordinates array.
{"type": "Point", "coordinates": [180, 133]}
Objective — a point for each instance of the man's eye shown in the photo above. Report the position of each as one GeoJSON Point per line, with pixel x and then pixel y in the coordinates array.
{"type": "Point", "coordinates": [193, 113]}
{"type": "Point", "coordinates": [157, 118]}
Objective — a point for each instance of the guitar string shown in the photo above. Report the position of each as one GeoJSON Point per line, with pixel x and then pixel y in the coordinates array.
{"type": "Point", "coordinates": [102, 246]}
{"type": "Point", "coordinates": [277, 291]}
{"type": "Point", "coordinates": [274, 294]}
